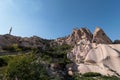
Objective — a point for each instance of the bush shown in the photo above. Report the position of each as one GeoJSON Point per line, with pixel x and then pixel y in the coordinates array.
{"type": "Point", "coordinates": [13, 47]}
{"type": "Point", "coordinates": [24, 67]}
{"type": "Point", "coordinates": [109, 78]}
{"type": "Point", "coordinates": [7, 58]}
{"type": "Point", "coordinates": [46, 58]}
{"type": "Point", "coordinates": [91, 74]}
{"type": "Point", "coordinates": [80, 77]}
{"type": "Point", "coordinates": [3, 62]}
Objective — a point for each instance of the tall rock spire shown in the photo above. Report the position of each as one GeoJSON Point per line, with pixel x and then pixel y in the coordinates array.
{"type": "Point", "coordinates": [99, 36]}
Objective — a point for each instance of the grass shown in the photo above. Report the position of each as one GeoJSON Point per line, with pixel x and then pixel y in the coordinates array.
{"type": "Point", "coordinates": [97, 78]}
{"type": "Point", "coordinates": [93, 76]}
{"type": "Point", "coordinates": [2, 69]}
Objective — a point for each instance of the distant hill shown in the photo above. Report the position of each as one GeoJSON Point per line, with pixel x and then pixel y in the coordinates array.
{"type": "Point", "coordinates": [7, 41]}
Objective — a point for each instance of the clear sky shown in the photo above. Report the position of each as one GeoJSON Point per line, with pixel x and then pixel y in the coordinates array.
{"type": "Point", "coordinates": [56, 18]}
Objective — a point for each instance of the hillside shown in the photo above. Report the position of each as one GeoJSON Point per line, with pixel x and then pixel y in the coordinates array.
{"type": "Point", "coordinates": [80, 53]}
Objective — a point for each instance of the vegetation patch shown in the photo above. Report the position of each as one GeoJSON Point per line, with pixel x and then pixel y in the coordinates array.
{"type": "Point", "coordinates": [32, 66]}
{"type": "Point", "coordinates": [91, 74]}
{"type": "Point", "coordinates": [25, 67]}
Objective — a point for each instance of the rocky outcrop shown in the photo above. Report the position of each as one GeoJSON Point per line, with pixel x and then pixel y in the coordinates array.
{"type": "Point", "coordinates": [7, 40]}
{"type": "Point", "coordinates": [25, 42]}
{"type": "Point", "coordinates": [76, 36]}
{"type": "Point", "coordinates": [94, 53]}
{"type": "Point", "coordinates": [32, 42]}
{"type": "Point", "coordinates": [99, 36]}
{"type": "Point", "coordinates": [91, 53]}
{"type": "Point", "coordinates": [100, 58]}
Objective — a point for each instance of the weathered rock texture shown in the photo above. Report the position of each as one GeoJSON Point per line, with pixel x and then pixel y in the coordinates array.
{"type": "Point", "coordinates": [76, 36]}
{"type": "Point", "coordinates": [98, 36]}
{"type": "Point", "coordinates": [32, 42]}
{"type": "Point", "coordinates": [92, 57]}
{"type": "Point", "coordinates": [92, 52]}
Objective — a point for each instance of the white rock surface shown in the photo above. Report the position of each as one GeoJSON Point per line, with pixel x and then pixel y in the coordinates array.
{"type": "Point", "coordinates": [101, 58]}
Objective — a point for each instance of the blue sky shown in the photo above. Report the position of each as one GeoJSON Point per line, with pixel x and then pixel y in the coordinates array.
{"type": "Point", "coordinates": [56, 18]}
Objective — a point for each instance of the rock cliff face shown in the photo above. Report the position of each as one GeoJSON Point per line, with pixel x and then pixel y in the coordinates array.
{"type": "Point", "coordinates": [98, 55]}
{"type": "Point", "coordinates": [98, 36]}
{"type": "Point", "coordinates": [76, 36]}
{"type": "Point", "coordinates": [100, 58]}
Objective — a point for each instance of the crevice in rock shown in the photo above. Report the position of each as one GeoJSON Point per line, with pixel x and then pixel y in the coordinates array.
{"type": "Point", "coordinates": [112, 70]}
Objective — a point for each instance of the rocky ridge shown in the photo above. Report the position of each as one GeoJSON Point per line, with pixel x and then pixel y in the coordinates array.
{"type": "Point", "coordinates": [36, 42]}
{"type": "Point", "coordinates": [98, 36]}
{"type": "Point", "coordinates": [91, 52]}
{"type": "Point", "coordinates": [99, 55]}
{"type": "Point", "coordinates": [24, 42]}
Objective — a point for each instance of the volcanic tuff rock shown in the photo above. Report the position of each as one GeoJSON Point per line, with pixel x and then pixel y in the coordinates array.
{"type": "Point", "coordinates": [91, 53]}
{"type": "Point", "coordinates": [100, 58]}
{"type": "Point", "coordinates": [77, 35]}
{"type": "Point", "coordinates": [36, 42]}
{"type": "Point", "coordinates": [98, 36]}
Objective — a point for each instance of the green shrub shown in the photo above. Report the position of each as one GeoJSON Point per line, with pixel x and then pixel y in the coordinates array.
{"type": "Point", "coordinates": [46, 58]}
{"type": "Point", "coordinates": [13, 47]}
{"type": "Point", "coordinates": [109, 78]}
{"type": "Point", "coordinates": [3, 62]}
{"type": "Point", "coordinates": [7, 58]}
{"type": "Point", "coordinates": [24, 67]}
{"type": "Point", "coordinates": [16, 47]}
{"type": "Point", "coordinates": [80, 77]}
{"type": "Point", "coordinates": [91, 74]}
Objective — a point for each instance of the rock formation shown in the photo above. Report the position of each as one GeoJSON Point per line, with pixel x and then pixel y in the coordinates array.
{"type": "Point", "coordinates": [32, 42]}
{"type": "Point", "coordinates": [91, 53]}
{"type": "Point", "coordinates": [99, 36]}
{"type": "Point", "coordinates": [76, 36]}
{"type": "Point", "coordinates": [94, 57]}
